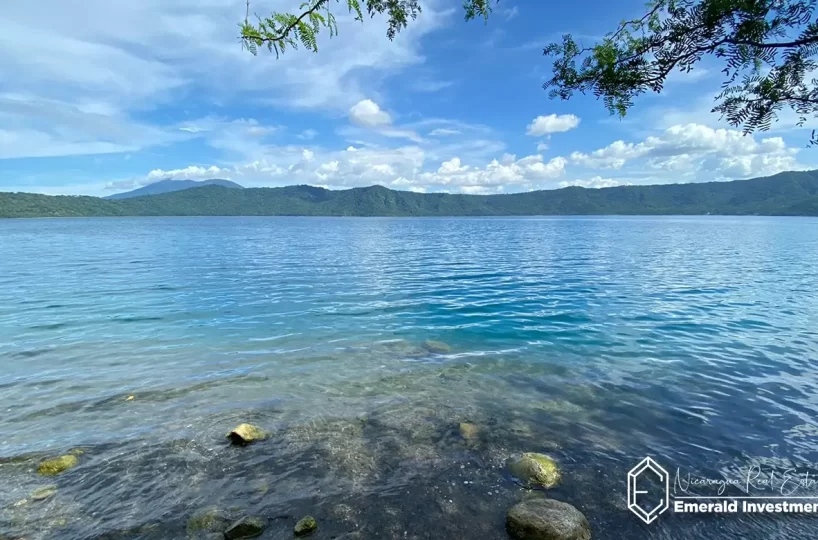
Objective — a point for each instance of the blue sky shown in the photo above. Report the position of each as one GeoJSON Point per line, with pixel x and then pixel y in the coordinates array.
{"type": "Point", "coordinates": [120, 94]}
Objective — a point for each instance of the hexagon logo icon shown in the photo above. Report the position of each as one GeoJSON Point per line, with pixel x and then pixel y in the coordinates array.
{"type": "Point", "coordinates": [648, 490]}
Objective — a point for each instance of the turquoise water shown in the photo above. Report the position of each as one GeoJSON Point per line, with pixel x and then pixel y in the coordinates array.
{"type": "Point", "coordinates": [596, 340]}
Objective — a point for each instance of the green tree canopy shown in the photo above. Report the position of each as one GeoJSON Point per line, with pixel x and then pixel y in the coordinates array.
{"type": "Point", "coordinates": [280, 31]}
{"type": "Point", "coordinates": [767, 49]}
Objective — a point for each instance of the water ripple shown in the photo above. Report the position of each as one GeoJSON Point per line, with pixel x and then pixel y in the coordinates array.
{"type": "Point", "coordinates": [600, 340]}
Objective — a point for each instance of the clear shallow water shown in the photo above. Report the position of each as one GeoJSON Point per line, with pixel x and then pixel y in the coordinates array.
{"type": "Point", "coordinates": [597, 340]}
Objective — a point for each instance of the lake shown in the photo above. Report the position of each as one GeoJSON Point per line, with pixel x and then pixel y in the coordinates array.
{"type": "Point", "coordinates": [138, 343]}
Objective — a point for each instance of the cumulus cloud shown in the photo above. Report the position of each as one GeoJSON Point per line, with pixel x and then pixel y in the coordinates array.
{"type": "Point", "coordinates": [553, 123]}
{"type": "Point", "coordinates": [697, 149]}
{"type": "Point", "coordinates": [595, 182]}
{"type": "Point", "coordinates": [497, 176]}
{"type": "Point", "coordinates": [371, 119]}
{"type": "Point", "coordinates": [542, 147]}
{"type": "Point", "coordinates": [509, 173]}
{"type": "Point", "coordinates": [193, 172]}
{"type": "Point", "coordinates": [367, 113]}
{"type": "Point", "coordinates": [682, 153]}
{"type": "Point", "coordinates": [407, 168]}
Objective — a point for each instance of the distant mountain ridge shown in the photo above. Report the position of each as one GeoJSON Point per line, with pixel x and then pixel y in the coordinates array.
{"type": "Point", "coordinates": [169, 186]}
{"type": "Point", "coordinates": [787, 193]}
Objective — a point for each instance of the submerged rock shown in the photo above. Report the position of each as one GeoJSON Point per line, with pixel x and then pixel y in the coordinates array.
{"type": "Point", "coordinates": [345, 513]}
{"type": "Point", "coordinates": [546, 519]}
{"type": "Point", "coordinates": [245, 434]}
{"type": "Point", "coordinates": [208, 520]}
{"type": "Point", "coordinates": [469, 431]}
{"type": "Point", "coordinates": [43, 493]}
{"type": "Point", "coordinates": [246, 527]}
{"type": "Point", "coordinates": [306, 525]}
{"type": "Point", "coordinates": [536, 469]}
{"type": "Point", "coordinates": [403, 349]}
{"type": "Point", "coordinates": [342, 443]}
{"type": "Point", "coordinates": [55, 466]}
{"type": "Point", "coordinates": [437, 347]}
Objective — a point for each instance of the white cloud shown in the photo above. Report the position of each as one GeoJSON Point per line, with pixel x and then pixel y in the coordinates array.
{"type": "Point", "coordinates": [367, 113]}
{"type": "Point", "coordinates": [443, 132]}
{"type": "Point", "coordinates": [131, 57]}
{"type": "Point", "coordinates": [406, 167]}
{"type": "Point", "coordinates": [542, 147]}
{"type": "Point", "coordinates": [545, 125]}
{"type": "Point", "coordinates": [401, 134]}
{"type": "Point", "coordinates": [506, 174]}
{"type": "Point", "coordinates": [698, 151]}
{"type": "Point", "coordinates": [612, 156]}
{"type": "Point", "coordinates": [240, 126]}
{"type": "Point", "coordinates": [239, 139]}
{"type": "Point", "coordinates": [595, 182]}
{"type": "Point", "coordinates": [192, 172]}
{"type": "Point", "coordinates": [308, 134]}
{"type": "Point", "coordinates": [473, 165]}
{"type": "Point", "coordinates": [38, 127]}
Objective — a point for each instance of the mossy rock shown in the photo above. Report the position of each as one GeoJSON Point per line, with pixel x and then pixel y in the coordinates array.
{"type": "Point", "coordinates": [470, 432]}
{"type": "Point", "coordinates": [43, 493]}
{"type": "Point", "coordinates": [546, 519]}
{"type": "Point", "coordinates": [246, 434]}
{"type": "Point", "coordinates": [57, 465]}
{"type": "Point", "coordinates": [536, 470]}
{"type": "Point", "coordinates": [246, 527]}
{"type": "Point", "coordinates": [436, 347]}
{"type": "Point", "coordinates": [306, 525]}
{"type": "Point", "coordinates": [208, 520]}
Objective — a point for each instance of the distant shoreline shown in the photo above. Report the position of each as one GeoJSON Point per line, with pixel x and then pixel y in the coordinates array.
{"type": "Point", "coordinates": [533, 216]}
{"type": "Point", "coordinates": [785, 194]}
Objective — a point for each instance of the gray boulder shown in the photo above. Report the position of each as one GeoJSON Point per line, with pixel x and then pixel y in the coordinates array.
{"type": "Point", "coordinates": [546, 519]}
{"type": "Point", "coordinates": [246, 527]}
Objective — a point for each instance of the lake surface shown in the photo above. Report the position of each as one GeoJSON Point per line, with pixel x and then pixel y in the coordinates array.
{"type": "Point", "coordinates": [596, 340]}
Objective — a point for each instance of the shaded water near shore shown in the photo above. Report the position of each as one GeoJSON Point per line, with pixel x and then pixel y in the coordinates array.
{"type": "Point", "coordinates": [596, 340]}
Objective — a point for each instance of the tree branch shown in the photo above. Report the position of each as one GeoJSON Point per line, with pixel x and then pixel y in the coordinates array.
{"type": "Point", "coordinates": [635, 22]}
{"type": "Point", "coordinates": [796, 43]}
{"type": "Point", "coordinates": [282, 35]}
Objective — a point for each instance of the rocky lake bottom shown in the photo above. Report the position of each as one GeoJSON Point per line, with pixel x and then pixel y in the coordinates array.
{"type": "Point", "coordinates": [419, 449]}
{"type": "Point", "coordinates": [400, 371]}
